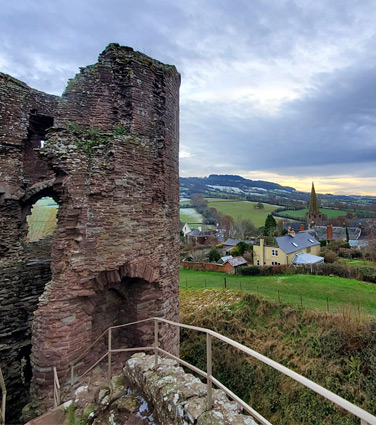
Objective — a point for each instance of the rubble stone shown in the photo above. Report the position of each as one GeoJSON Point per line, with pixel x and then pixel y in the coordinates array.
{"type": "Point", "coordinates": [179, 398]}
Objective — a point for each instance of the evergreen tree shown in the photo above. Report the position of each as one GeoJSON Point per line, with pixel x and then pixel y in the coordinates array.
{"type": "Point", "coordinates": [270, 226]}
{"type": "Point", "coordinates": [214, 255]}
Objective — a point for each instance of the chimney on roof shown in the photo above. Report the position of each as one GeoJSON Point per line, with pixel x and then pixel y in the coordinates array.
{"type": "Point", "coordinates": [291, 232]}
{"type": "Point", "coordinates": [329, 231]}
{"type": "Point", "coordinates": [301, 227]}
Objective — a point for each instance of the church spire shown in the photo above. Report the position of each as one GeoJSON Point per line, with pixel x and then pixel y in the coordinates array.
{"type": "Point", "coordinates": [313, 203]}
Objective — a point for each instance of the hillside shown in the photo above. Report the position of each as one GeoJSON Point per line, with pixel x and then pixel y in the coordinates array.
{"type": "Point", "coordinates": [237, 187]}
{"type": "Point", "coordinates": [334, 350]}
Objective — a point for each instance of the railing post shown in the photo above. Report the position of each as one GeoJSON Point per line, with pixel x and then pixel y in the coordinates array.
{"type": "Point", "coordinates": [4, 398]}
{"type": "Point", "coordinates": [209, 369]}
{"type": "Point", "coordinates": [109, 354]}
{"type": "Point", "coordinates": [56, 388]}
{"type": "Point", "coordinates": [156, 331]}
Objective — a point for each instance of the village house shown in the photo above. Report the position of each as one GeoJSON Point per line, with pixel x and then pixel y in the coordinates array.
{"type": "Point", "coordinates": [198, 237]}
{"type": "Point", "coordinates": [229, 244]}
{"type": "Point", "coordinates": [284, 249]}
{"type": "Point", "coordinates": [184, 228]}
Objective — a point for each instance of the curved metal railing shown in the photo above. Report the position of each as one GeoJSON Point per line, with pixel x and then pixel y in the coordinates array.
{"type": "Point", "coordinates": [365, 417]}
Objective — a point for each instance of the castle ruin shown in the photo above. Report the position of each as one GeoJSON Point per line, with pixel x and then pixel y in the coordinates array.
{"type": "Point", "coordinates": [107, 152]}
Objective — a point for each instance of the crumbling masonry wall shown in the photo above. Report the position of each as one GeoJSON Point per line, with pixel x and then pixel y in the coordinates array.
{"type": "Point", "coordinates": [110, 159]}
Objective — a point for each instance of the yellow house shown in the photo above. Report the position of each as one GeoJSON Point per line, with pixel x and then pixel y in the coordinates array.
{"type": "Point", "coordinates": [285, 249]}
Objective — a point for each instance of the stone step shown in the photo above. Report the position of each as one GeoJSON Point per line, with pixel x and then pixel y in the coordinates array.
{"type": "Point", "coordinates": [54, 417]}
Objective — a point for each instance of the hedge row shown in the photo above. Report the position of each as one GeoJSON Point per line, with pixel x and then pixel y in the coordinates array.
{"type": "Point", "coordinates": [363, 273]}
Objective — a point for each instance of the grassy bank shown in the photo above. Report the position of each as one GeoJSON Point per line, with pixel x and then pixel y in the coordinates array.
{"type": "Point", "coordinates": [314, 292]}
{"type": "Point", "coordinates": [334, 350]}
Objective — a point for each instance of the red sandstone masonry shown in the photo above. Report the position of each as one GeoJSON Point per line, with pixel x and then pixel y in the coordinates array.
{"type": "Point", "coordinates": [209, 267]}
{"type": "Point", "coordinates": [117, 235]}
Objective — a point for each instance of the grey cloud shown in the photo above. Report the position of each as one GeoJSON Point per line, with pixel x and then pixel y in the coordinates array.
{"type": "Point", "coordinates": [330, 125]}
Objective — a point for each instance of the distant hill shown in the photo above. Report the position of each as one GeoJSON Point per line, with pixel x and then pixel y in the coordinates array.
{"type": "Point", "coordinates": [230, 184]}
{"type": "Point", "coordinates": [236, 187]}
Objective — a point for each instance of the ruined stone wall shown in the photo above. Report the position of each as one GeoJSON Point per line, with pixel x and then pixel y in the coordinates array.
{"type": "Point", "coordinates": [21, 285]}
{"type": "Point", "coordinates": [179, 398]}
{"type": "Point", "coordinates": [111, 161]}
{"type": "Point", "coordinates": [17, 103]}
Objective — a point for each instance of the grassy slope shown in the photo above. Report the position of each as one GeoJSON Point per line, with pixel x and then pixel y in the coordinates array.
{"type": "Point", "coordinates": [42, 220]}
{"type": "Point", "coordinates": [300, 214]}
{"type": "Point", "coordinates": [242, 209]}
{"type": "Point", "coordinates": [316, 291]}
{"type": "Point", "coordinates": [336, 351]}
{"type": "Point", "coordinates": [357, 263]}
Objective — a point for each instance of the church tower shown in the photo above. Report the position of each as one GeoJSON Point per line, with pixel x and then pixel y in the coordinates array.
{"type": "Point", "coordinates": [314, 216]}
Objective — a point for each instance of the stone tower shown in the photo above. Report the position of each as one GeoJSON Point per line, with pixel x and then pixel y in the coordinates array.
{"type": "Point", "coordinates": [314, 216]}
{"type": "Point", "coordinates": [110, 160]}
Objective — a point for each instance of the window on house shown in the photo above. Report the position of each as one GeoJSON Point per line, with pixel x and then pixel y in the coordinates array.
{"type": "Point", "coordinates": [312, 241]}
{"type": "Point", "coordinates": [258, 262]}
{"type": "Point", "coordinates": [275, 252]}
{"type": "Point", "coordinates": [295, 244]}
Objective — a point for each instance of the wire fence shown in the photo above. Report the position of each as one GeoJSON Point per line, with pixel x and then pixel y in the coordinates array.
{"type": "Point", "coordinates": [328, 302]}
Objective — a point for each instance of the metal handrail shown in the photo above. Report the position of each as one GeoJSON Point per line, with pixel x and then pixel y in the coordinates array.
{"type": "Point", "coordinates": [56, 389]}
{"type": "Point", "coordinates": [3, 398]}
{"type": "Point", "coordinates": [365, 417]}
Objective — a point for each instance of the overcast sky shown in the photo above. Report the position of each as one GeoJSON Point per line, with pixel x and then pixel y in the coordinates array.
{"type": "Point", "coordinates": [273, 90]}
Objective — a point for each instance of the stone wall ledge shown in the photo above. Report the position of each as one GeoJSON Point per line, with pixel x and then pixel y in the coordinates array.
{"type": "Point", "coordinates": [180, 398]}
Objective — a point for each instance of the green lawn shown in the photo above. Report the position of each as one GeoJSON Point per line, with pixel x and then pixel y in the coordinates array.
{"type": "Point", "coordinates": [242, 210]}
{"type": "Point", "coordinates": [314, 292]}
{"type": "Point", "coordinates": [357, 263]}
{"type": "Point", "coordinates": [300, 214]}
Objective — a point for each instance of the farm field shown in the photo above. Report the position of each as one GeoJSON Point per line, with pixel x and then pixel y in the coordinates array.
{"type": "Point", "coordinates": [314, 292]}
{"type": "Point", "coordinates": [42, 220]}
{"type": "Point", "coordinates": [191, 216]}
{"type": "Point", "coordinates": [300, 214]}
{"type": "Point", "coordinates": [242, 210]}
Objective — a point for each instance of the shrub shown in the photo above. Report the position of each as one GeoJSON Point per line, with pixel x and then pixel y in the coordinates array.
{"type": "Point", "coordinates": [356, 253]}
{"type": "Point", "coordinates": [214, 255]}
{"type": "Point", "coordinates": [368, 274]}
{"type": "Point", "coordinates": [330, 256]}
{"type": "Point", "coordinates": [249, 271]}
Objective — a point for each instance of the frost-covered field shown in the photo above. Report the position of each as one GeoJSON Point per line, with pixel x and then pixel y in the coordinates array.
{"type": "Point", "coordinates": [190, 215]}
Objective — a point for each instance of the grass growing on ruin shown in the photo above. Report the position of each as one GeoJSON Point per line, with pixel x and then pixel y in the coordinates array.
{"type": "Point", "coordinates": [314, 292]}
{"type": "Point", "coordinates": [335, 350]}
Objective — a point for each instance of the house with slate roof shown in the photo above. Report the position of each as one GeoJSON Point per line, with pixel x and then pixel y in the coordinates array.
{"type": "Point", "coordinates": [284, 249]}
{"type": "Point", "coordinates": [230, 243]}
{"type": "Point", "coordinates": [336, 233]}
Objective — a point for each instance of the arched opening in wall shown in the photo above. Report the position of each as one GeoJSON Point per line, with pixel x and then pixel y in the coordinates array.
{"type": "Point", "coordinates": [42, 220]}
{"type": "Point", "coordinates": [128, 301]}
{"type": "Point", "coordinates": [33, 274]}
{"type": "Point", "coordinates": [35, 169]}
